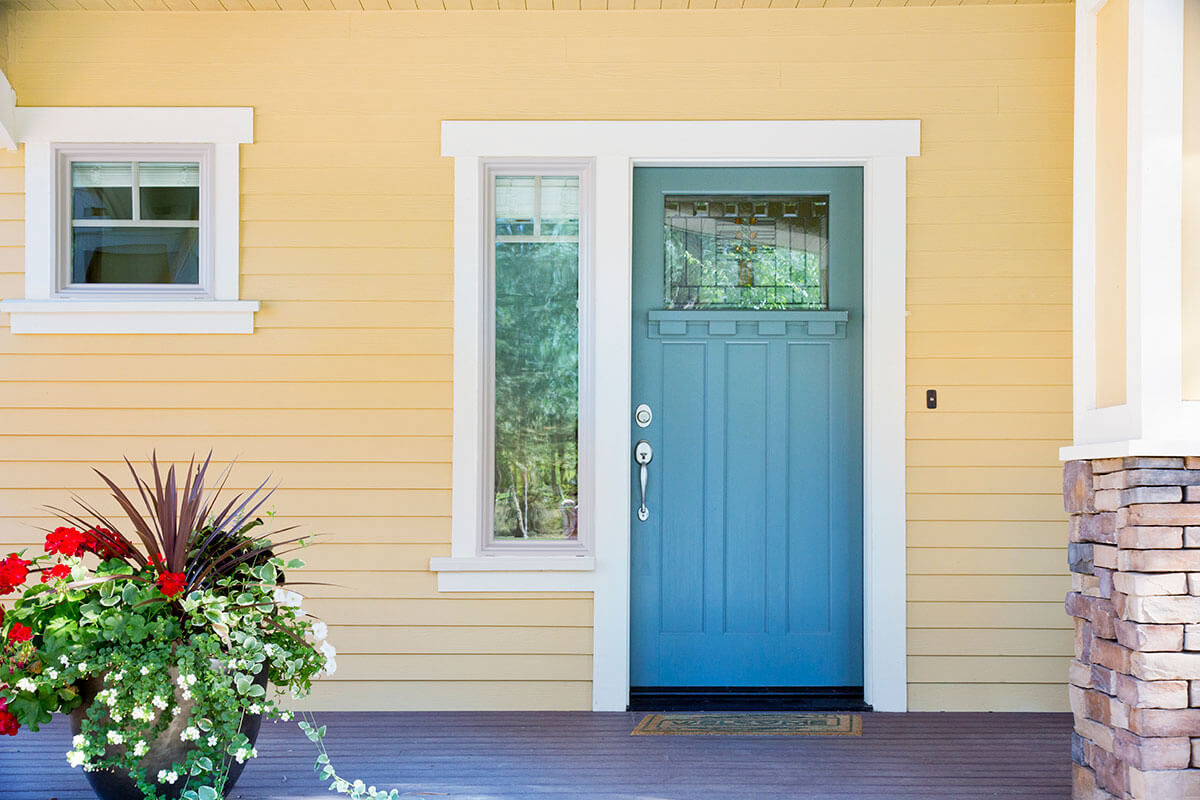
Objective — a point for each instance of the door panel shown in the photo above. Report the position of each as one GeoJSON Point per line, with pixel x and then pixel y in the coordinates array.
{"type": "Point", "coordinates": [748, 571]}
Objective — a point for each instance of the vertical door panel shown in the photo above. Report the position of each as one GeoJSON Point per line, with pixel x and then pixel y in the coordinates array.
{"type": "Point", "coordinates": [682, 567]}
{"type": "Point", "coordinates": [809, 457]}
{"type": "Point", "coordinates": [745, 529]}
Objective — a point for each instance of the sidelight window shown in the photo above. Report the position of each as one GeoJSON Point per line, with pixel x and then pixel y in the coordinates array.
{"type": "Point", "coordinates": [536, 258]}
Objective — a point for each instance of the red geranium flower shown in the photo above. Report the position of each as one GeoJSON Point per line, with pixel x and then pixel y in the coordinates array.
{"type": "Point", "coordinates": [172, 583]}
{"type": "Point", "coordinates": [8, 723]}
{"type": "Point", "coordinates": [13, 572]}
{"type": "Point", "coordinates": [65, 541]}
{"type": "Point", "coordinates": [20, 633]}
{"type": "Point", "coordinates": [104, 543]}
{"type": "Point", "coordinates": [56, 573]}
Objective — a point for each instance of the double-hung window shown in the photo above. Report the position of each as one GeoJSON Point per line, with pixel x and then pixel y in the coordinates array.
{"type": "Point", "coordinates": [536, 258]}
{"type": "Point", "coordinates": [131, 221]}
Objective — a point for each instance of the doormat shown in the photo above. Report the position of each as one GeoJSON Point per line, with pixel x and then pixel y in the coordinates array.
{"type": "Point", "coordinates": [749, 725]}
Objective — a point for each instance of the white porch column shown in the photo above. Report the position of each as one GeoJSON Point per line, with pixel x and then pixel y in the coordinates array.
{"type": "Point", "coordinates": [1131, 377]}
{"type": "Point", "coordinates": [1132, 482]}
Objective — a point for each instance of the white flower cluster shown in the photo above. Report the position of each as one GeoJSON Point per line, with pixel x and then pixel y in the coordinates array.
{"type": "Point", "coordinates": [159, 703]}
{"type": "Point", "coordinates": [330, 660]}
{"type": "Point", "coordinates": [116, 737]}
{"type": "Point", "coordinates": [186, 682]}
{"type": "Point", "coordinates": [165, 776]}
{"type": "Point", "coordinates": [26, 685]}
{"type": "Point", "coordinates": [190, 734]}
{"type": "Point", "coordinates": [141, 714]}
{"type": "Point", "coordinates": [140, 748]}
{"type": "Point", "coordinates": [287, 599]}
{"type": "Point", "coordinates": [244, 753]}
{"type": "Point", "coordinates": [75, 756]}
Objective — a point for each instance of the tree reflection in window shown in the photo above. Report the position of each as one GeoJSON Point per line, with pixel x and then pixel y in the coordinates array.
{"type": "Point", "coordinates": [536, 487]}
{"type": "Point", "coordinates": [746, 251]}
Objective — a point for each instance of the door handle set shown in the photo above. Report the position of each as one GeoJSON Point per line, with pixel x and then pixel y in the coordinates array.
{"type": "Point", "coordinates": [643, 454]}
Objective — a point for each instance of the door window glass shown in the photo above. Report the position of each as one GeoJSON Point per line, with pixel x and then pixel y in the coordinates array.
{"type": "Point", "coordinates": [746, 251]}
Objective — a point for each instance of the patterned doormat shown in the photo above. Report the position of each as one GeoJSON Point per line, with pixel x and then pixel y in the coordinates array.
{"type": "Point", "coordinates": [749, 725]}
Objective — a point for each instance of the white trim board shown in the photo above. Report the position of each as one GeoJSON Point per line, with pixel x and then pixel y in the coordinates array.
{"type": "Point", "coordinates": [8, 115]}
{"type": "Point", "coordinates": [880, 147]}
{"type": "Point", "coordinates": [43, 310]}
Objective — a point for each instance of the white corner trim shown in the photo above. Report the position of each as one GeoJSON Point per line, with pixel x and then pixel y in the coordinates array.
{"type": "Point", "coordinates": [880, 147]}
{"type": "Point", "coordinates": [131, 316]}
{"type": "Point", "coordinates": [44, 130]}
{"type": "Point", "coordinates": [8, 115]}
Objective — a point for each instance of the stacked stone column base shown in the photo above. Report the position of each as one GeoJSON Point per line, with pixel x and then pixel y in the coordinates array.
{"type": "Point", "coordinates": [1135, 681]}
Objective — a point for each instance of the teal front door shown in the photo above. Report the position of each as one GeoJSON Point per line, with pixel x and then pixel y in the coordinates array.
{"type": "Point", "coordinates": [746, 564]}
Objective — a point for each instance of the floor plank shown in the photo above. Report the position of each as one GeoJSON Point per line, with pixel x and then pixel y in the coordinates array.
{"type": "Point", "coordinates": [584, 756]}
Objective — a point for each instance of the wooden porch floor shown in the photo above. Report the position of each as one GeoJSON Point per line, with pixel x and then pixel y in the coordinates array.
{"type": "Point", "coordinates": [584, 756]}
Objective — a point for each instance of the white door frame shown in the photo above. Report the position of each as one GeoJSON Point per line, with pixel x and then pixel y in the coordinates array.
{"type": "Point", "coordinates": [880, 147]}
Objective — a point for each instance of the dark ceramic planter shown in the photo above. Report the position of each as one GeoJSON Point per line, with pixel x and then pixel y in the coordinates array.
{"type": "Point", "coordinates": [163, 752]}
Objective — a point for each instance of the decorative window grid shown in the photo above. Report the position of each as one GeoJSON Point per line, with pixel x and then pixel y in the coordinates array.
{"type": "Point", "coordinates": [746, 251]}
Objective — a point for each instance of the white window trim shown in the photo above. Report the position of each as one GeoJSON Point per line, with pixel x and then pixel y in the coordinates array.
{"type": "Point", "coordinates": [47, 131]}
{"type": "Point", "coordinates": [880, 147]}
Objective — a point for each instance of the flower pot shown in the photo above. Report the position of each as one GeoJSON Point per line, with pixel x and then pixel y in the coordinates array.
{"type": "Point", "coordinates": [164, 751]}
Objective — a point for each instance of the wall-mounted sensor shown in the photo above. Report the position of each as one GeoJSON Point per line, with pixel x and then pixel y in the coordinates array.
{"type": "Point", "coordinates": [931, 398]}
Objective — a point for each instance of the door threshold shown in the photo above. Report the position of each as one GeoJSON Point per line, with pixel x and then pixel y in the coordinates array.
{"type": "Point", "coordinates": [747, 698]}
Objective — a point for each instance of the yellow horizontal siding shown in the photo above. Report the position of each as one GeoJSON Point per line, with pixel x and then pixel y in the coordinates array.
{"type": "Point", "coordinates": [449, 695]}
{"type": "Point", "coordinates": [344, 393]}
{"type": "Point", "coordinates": [974, 695]}
{"type": "Point", "coordinates": [961, 618]}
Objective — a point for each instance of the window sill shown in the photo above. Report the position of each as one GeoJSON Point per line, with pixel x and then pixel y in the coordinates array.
{"type": "Point", "coordinates": [130, 316]}
{"type": "Point", "coordinates": [515, 573]}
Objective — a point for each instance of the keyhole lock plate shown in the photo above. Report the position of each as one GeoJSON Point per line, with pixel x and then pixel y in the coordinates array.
{"type": "Point", "coordinates": [643, 416]}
